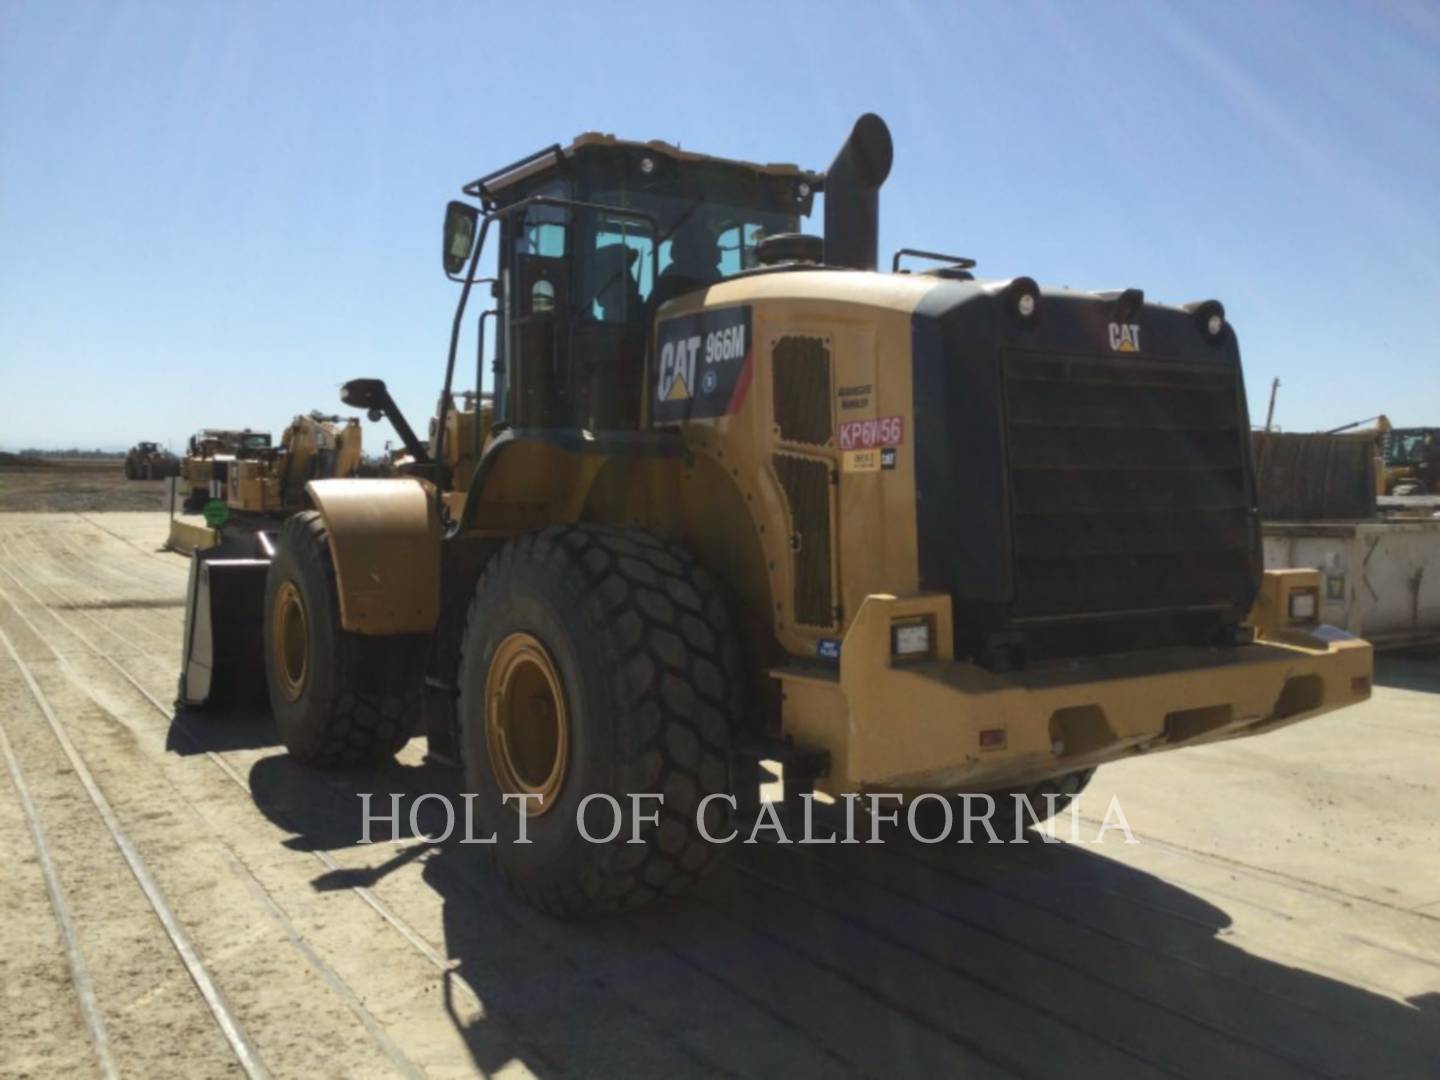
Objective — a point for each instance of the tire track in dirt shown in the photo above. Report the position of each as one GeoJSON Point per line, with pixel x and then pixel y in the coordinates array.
{"type": "Point", "coordinates": [79, 972]}
{"type": "Point", "coordinates": [782, 1048]}
{"type": "Point", "coordinates": [234, 861]}
{"type": "Point", "coordinates": [194, 968]}
{"type": "Point", "coordinates": [48, 568]}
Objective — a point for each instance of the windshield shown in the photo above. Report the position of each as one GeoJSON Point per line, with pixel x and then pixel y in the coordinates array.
{"type": "Point", "coordinates": [618, 279]}
{"type": "Point", "coordinates": [704, 239]}
{"type": "Point", "coordinates": [1407, 446]}
{"type": "Point", "coordinates": [700, 241]}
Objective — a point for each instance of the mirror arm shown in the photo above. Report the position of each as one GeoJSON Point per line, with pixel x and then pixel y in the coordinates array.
{"type": "Point", "coordinates": [406, 433]}
{"type": "Point", "coordinates": [480, 374]}
{"type": "Point", "coordinates": [438, 451]}
{"type": "Point", "coordinates": [378, 404]}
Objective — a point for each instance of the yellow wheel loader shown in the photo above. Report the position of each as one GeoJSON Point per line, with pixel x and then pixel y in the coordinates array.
{"type": "Point", "coordinates": [271, 480]}
{"type": "Point", "coordinates": [252, 490]}
{"type": "Point", "coordinates": [1412, 461]}
{"type": "Point", "coordinates": [742, 495]}
{"type": "Point", "coordinates": [207, 460]}
{"type": "Point", "coordinates": [150, 461]}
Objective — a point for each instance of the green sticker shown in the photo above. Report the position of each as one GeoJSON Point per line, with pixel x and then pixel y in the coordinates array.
{"type": "Point", "coordinates": [216, 513]}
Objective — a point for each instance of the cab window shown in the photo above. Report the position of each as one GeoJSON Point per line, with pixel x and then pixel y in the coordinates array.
{"type": "Point", "coordinates": [737, 245]}
{"type": "Point", "coordinates": [618, 273]}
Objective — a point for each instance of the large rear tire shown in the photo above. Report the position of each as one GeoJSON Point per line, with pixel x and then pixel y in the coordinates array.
{"type": "Point", "coordinates": [338, 698]}
{"type": "Point", "coordinates": [598, 661]}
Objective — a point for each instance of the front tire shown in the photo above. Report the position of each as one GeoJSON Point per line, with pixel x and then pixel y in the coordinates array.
{"type": "Point", "coordinates": [598, 661]}
{"type": "Point", "coordinates": [338, 698]}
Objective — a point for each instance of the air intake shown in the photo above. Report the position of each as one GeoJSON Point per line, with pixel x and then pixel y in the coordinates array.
{"type": "Point", "coordinates": [806, 482]}
{"type": "Point", "coordinates": [801, 372]}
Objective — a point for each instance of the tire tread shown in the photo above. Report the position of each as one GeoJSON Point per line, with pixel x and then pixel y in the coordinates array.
{"type": "Point", "coordinates": [676, 697]}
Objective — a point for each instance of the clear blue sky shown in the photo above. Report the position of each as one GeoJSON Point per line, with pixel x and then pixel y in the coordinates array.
{"type": "Point", "coordinates": [213, 214]}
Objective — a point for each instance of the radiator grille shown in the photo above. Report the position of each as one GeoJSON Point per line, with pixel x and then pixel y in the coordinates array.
{"type": "Point", "coordinates": [801, 367]}
{"type": "Point", "coordinates": [1127, 485]}
{"type": "Point", "coordinates": [807, 489]}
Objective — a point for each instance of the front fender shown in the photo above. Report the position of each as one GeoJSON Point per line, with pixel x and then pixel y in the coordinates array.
{"type": "Point", "coordinates": [385, 543]}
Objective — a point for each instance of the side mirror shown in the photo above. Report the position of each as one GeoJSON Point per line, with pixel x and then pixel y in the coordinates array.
{"type": "Point", "coordinates": [461, 220]}
{"type": "Point", "coordinates": [365, 394]}
{"type": "Point", "coordinates": [372, 396]}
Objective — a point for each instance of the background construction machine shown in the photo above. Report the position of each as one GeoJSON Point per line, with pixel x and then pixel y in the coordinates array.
{"type": "Point", "coordinates": [741, 496]}
{"type": "Point", "coordinates": [257, 484]}
{"type": "Point", "coordinates": [150, 461]}
{"type": "Point", "coordinates": [313, 447]}
{"type": "Point", "coordinates": [211, 450]}
{"type": "Point", "coordinates": [1412, 461]}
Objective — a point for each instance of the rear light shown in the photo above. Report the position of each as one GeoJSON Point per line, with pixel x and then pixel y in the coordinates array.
{"type": "Point", "coordinates": [911, 639]}
{"type": "Point", "coordinates": [992, 739]}
{"type": "Point", "coordinates": [1022, 297]}
{"type": "Point", "coordinates": [1302, 605]}
{"type": "Point", "coordinates": [1209, 319]}
{"type": "Point", "coordinates": [1360, 684]}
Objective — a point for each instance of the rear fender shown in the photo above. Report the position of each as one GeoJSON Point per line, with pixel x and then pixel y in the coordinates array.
{"type": "Point", "coordinates": [529, 478]}
{"type": "Point", "coordinates": [385, 542]}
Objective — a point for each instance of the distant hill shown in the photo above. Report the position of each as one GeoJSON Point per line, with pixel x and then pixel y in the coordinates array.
{"type": "Point", "coordinates": [24, 461]}
{"type": "Point", "coordinates": [70, 453]}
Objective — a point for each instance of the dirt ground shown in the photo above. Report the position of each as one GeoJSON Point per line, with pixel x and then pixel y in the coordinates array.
{"type": "Point", "coordinates": [81, 485]}
{"type": "Point", "coordinates": [199, 905]}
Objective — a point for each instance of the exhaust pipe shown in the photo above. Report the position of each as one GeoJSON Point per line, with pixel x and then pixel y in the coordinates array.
{"type": "Point", "coordinates": [852, 195]}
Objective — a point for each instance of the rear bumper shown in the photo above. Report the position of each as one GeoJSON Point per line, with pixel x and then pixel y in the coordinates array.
{"type": "Point", "coordinates": [943, 725]}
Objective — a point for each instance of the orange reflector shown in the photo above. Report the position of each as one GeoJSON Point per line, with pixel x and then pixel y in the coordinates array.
{"type": "Point", "coordinates": [1360, 684]}
{"type": "Point", "coordinates": [992, 739]}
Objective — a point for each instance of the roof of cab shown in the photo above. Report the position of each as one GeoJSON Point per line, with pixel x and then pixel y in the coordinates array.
{"type": "Point", "coordinates": [490, 185]}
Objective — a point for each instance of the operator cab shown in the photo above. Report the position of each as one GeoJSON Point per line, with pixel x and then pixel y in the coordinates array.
{"type": "Point", "coordinates": [593, 239]}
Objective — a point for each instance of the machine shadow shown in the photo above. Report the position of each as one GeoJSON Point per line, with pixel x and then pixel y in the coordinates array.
{"type": "Point", "coordinates": [1415, 669]}
{"type": "Point", "coordinates": [239, 726]}
{"type": "Point", "coordinates": [762, 966]}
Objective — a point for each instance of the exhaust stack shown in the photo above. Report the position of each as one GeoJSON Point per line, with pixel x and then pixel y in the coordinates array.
{"type": "Point", "coordinates": [852, 195]}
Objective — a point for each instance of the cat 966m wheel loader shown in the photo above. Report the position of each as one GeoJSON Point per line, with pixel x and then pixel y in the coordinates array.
{"type": "Point", "coordinates": [742, 494]}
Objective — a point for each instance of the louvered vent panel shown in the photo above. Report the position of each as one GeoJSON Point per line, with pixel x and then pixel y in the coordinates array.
{"type": "Point", "coordinates": [807, 489]}
{"type": "Point", "coordinates": [801, 367]}
{"type": "Point", "coordinates": [1127, 485]}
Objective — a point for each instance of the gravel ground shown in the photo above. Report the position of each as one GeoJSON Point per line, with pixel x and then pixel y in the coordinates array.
{"type": "Point", "coordinates": [202, 907]}
{"type": "Point", "coordinates": [76, 484]}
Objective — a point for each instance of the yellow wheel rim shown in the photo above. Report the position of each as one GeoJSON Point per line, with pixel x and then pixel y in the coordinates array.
{"type": "Point", "coordinates": [527, 726]}
{"type": "Point", "coordinates": [288, 641]}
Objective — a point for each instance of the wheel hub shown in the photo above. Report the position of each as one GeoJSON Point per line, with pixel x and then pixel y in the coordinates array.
{"type": "Point", "coordinates": [527, 724]}
{"type": "Point", "coordinates": [289, 641]}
